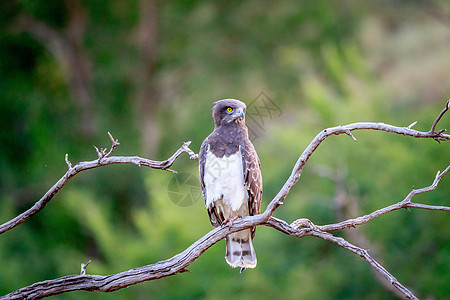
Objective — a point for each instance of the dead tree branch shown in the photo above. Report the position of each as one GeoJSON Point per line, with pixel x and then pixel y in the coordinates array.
{"type": "Point", "coordinates": [405, 203]}
{"type": "Point", "coordinates": [103, 160]}
{"type": "Point", "coordinates": [365, 254]}
{"type": "Point", "coordinates": [179, 263]}
{"type": "Point", "coordinates": [347, 129]}
{"type": "Point", "coordinates": [433, 127]}
{"type": "Point", "coordinates": [346, 206]}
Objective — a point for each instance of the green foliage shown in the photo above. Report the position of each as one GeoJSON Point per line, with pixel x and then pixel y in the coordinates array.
{"type": "Point", "coordinates": [324, 63]}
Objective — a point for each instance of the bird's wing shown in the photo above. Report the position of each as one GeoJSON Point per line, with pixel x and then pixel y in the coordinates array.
{"type": "Point", "coordinates": [252, 178]}
{"type": "Point", "coordinates": [215, 218]}
{"type": "Point", "coordinates": [201, 164]}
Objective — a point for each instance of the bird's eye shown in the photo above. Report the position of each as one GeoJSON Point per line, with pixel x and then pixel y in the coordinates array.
{"type": "Point", "coordinates": [229, 109]}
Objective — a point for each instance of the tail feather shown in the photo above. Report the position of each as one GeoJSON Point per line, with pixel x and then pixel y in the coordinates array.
{"type": "Point", "coordinates": [240, 251]}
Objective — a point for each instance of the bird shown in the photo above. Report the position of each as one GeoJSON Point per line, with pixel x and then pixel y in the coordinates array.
{"type": "Point", "coordinates": [230, 178]}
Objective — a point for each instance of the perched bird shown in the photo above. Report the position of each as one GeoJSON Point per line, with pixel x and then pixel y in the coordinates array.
{"type": "Point", "coordinates": [230, 177]}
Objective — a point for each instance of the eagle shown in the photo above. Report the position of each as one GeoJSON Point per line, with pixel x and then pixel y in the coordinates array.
{"type": "Point", "coordinates": [230, 177]}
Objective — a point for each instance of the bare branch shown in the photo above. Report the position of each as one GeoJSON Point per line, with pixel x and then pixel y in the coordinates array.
{"type": "Point", "coordinates": [305, 223]}
{"type": "Point", "coordinates": [104, 160]}
{"type": "Point", "coordinates": [365, 254]}
{"type": "Point", "coordinates": [346, 206]}
{"type": "Point", "coordinates": [405, 203]}
{"type": "Point", "coordinates": [430, 207]}
{"type": "Point", "coordinates": [115, 143]}
{"type": "Point", "coordinates": [181, 261]}
{"type": "Point", "coordinates": [433, 127]}
{"type": "Point", "coordinates": [172, 266]}
{"type": "Point", "coordinates": [102, 152]}
{"type": "Point", "coordinates": [69, 164]}
{"type": "Point", "coordinates": [284, 227]}
{"type": "Point", "coordinates": [303, 159]}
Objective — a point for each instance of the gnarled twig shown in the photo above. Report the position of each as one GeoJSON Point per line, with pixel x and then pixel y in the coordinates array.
{"type": "Point", "coordinates": [104, 159]}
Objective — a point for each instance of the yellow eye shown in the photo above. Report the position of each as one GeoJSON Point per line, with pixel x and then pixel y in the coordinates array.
{"type": "Point", "coordinates": [229, 109]}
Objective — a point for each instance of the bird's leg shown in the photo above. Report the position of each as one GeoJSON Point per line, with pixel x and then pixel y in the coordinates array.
{"type": "Point", "coordinates": [229, 221]}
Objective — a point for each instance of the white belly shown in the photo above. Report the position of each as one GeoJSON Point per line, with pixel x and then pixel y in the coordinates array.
{"type": "Point", "coordinates": [224, 181]}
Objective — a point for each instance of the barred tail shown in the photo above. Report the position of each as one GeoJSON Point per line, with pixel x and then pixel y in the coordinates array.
{"type": "Point", "coordinates": [240, 251]}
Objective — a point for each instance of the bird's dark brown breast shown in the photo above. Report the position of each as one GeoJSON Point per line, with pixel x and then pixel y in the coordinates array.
{"type": "Point", "coordinates": [225, 140]}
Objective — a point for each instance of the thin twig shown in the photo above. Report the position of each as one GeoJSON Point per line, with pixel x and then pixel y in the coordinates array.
{"type": "Point", "coordinates": [430, 207]}
{"type": "Point", "coordinates": [411, 125]}
{"type": "Point", "coordinates": [69, 164]}
{"type": "Point", "coordinates": [81, 166]}
{"type": "Point", "coordinates": [114, 144]}
{"type": "Point", "coordinates": [405, 203]}
{"type": "Point", "coordinates": [433, 127]}
{"type": "Point", "coordinates": [84, 266]}
{"type": "Point", "coordinates": [349, 133]}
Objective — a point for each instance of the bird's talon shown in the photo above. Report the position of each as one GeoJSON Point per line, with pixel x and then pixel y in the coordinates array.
{"type": "Point", "coordinates": [229, 221]}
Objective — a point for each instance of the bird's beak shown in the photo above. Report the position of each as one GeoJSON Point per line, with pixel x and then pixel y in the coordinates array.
{"type": "Point", "coordinates": [239, 113]}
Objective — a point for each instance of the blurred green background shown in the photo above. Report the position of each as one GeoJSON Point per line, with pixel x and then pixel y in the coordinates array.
{"type": "Point", "coordinates": [148, 72]}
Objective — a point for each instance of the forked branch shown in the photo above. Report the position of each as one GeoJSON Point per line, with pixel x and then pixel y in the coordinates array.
{"type": "Point", "coordinates": [433, 127]}
{"type": "Point", "coordinates": [181, 261]}
{"type": "Point", "coordinates": [347, 129]}
{"type": "Point", "coordinates": [104, 158]}
{"type": "Point", "coordinates": [405, 203]}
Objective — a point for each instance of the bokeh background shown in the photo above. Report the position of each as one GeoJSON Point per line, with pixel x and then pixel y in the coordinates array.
{"type": "Point", "coordinates": [148, 72]}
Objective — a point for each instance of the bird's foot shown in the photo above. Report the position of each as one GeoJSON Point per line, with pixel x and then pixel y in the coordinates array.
{"type": "Point", "coordinates": [229, 221]}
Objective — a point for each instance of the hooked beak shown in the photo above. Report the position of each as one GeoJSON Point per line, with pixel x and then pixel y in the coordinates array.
{"type": "Point", "coordinates": [239, 113]}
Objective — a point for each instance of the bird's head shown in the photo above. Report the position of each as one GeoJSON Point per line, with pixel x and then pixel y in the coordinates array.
{"type": "Point", "coordinates": [229, 111]}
